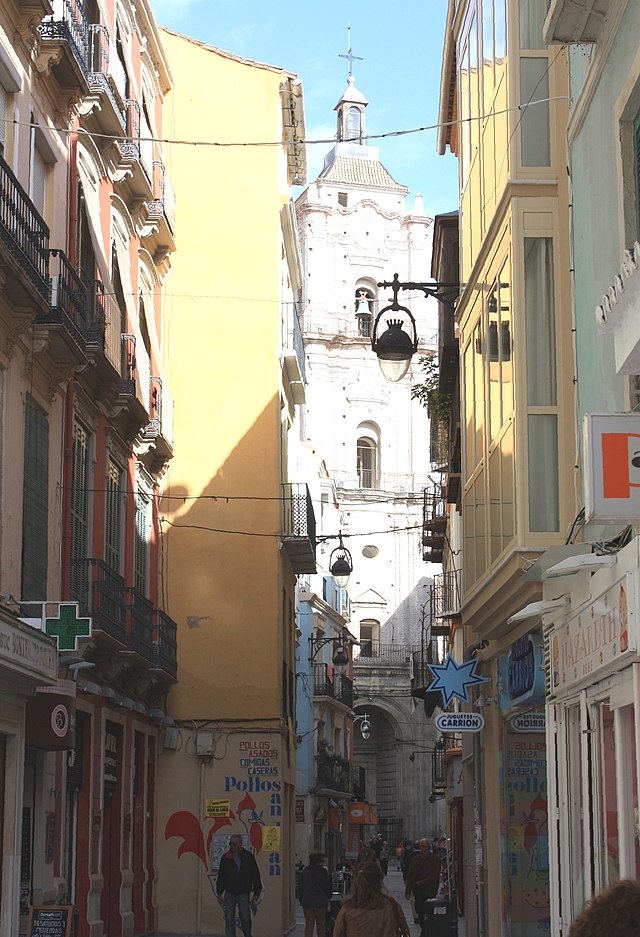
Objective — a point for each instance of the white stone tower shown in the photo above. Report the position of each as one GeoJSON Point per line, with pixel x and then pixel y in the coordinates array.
{"type": "Point", "coordinates": [373, 439]}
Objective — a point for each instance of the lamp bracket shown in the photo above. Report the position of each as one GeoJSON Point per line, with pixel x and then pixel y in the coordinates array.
{"type": "Point", "coordinates": [446, 293]}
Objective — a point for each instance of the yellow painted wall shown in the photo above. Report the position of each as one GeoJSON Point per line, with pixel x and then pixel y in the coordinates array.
{"type": "Point", "coordinates": [223, 589]}
{"type": "Point", "coordinates": [226, 591]}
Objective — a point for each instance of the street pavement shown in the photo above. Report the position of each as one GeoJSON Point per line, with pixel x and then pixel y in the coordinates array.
{"type": "Point", "coordinates": [394, 886]}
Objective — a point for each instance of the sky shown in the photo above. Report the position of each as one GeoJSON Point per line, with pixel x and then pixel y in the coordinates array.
{"type": "Point", "coordinates": [401, 50]}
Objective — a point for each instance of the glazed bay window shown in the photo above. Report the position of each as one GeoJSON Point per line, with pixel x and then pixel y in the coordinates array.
{"type": "Point", "coordinates": [499, 351]}
{"type": "Point", "coordinates": [535, 128]}
{"type": "Point", "coordinates": [542, 428]}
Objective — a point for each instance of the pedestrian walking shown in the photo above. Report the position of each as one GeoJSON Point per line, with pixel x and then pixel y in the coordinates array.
{"type": "Point", "coordinates": [369, 912]}
{"type": "Point", "coordinates": [615, 912]}
{"type": "Point", "coordinates": [423, 881]}
{"type": "Point", "coordinates": [238, 886]}
{"type": "Point", "coordinates": [315, 894]}
{"type": "Point", "coordinates": [385, 853]}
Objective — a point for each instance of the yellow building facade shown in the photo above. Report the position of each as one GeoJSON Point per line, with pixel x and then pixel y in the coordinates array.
{"type": "Point", "coordinates": [235, 530]}
{"type": "Point", "coordinates": [503, 111]}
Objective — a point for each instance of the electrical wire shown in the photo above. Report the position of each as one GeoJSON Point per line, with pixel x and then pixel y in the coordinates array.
{"type": "Point", "coordinates": [278, 536]}
{"type": "Point", "coordinates": [95, 135]}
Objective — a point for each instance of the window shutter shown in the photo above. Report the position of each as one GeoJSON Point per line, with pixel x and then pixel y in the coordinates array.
{"type": "Point", "coordinates": [3, 119]}
{"type": "Point", "coordinates": [113, 519]}
{"type": "Point", "coordinates": [79, 510]}
{"type": "Point", "coordinates": [35, 504]}
{"type": "Point", "coordinates": [39, 170]}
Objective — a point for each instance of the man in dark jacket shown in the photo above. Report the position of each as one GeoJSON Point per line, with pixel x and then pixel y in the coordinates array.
{"type": "Point", "coordinates": [238, 877]}
{"type": "Point", "coordinates": [423, 881]}
{"type": "Point", "coordinates": [315, 895]}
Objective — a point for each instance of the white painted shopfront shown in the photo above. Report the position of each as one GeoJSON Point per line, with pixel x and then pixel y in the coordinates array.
{"type": "Point", "coordinates": [593, 731]}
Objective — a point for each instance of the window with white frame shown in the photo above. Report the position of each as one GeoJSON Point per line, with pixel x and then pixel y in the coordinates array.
{"type": "Point", "coordinates": [114, 514]}
{"type": "Point", "coordinates": [142, 541]}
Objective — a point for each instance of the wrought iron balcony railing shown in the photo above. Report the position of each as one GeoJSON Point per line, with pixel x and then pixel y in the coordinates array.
{"type": "Point", "coordinates": [166, 644]}
{"type": "Point", "coordinates": [431, 652]}
{"type": "Point", "coordinates": [299, 527]}
{"type": "Point", "coordinates": [161, 411]}
{"type": "Point", "coordinates": [333, 771]}
{"type": "Point", "coordinates": [23, 231]}
{"type": "Point", "coordinates": [69, 297]}
{"type": "Point", "coordinates": [135, 370]}
{"type": "Point", "coordinates": [70, 24]}
{"type": "Point", "coordinates": [375, 652]}
{"type": "Point", "coordinates": [104, 324]}
{"type": "Point", "coordinates": [330, 683]}
{"type": "Point", "coordinates": [106, 73]}
{"type": "Point", "coordinates": [141, 624]}
{"type": "Point", "coordinates": [100, 593]}
{"type": "Point", "coordinates": [446, 595]}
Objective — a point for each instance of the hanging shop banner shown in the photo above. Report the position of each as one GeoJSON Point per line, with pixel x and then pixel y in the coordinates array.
{"type": "Point", "coordinates": [300, 810]}
{"type": "Point", "coordinates": [612, 472]}
{"type": "Point", "coordinates": [521, 674]}
{"type": "Point", "coordinates": [595, 639]}
{"type": "Point", "coordinates": [527, 834]}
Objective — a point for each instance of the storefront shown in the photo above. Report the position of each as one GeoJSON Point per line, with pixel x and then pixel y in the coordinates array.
{"type": "Point", "coordinates": [525, 860]}
{"type": "Point", "coordinates": [593, 727]}
{"type": "Point", "coordinates": [28, 659]}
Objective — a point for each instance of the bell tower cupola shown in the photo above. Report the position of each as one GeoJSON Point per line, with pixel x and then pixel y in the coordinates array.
{"type": "Point", "coordinates": [351, 106]}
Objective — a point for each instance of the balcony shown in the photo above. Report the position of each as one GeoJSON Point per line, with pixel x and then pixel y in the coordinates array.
{"type": "Point", "coordinates": [575, 20]}
{"type": "Point", "coordinates": [434, 525]}
{"type": "Point", "coordinates": [445, 597]}
{"type": "Point", "coordinates": [158, 231]}
{"type": "Point", "coordinates": [332, 684]}
{"type": "Point", "coordinates": [166, 645]}
{"type": "Point", "coordinates": [101, 593]}
{"type": "Point", "coordinates": [333, 773]}
{"type": "Point", "coordinates": [432, 651]}
{"type": "Point", "coordinates": [65, 45]}
{"type": "Point", "coordinates": [107, 79]}
{"type": "Point", "coordinates": [65, 325]}
{"type": "Point", "coordinates": [24, 243]}
{"type": "Point", "coordinates": [141, 624]}
{"type": "Point", "coordinates": [375, 653]}
{"type": "Point", "coordinates": [134, 387]}
{"type": "Point", "coordinates": [395, 482]}
{"type": "Point", "coordinates": [299, 527]}
{"type": "Point", "coordinates": [159, 430]}
{"type": "Point", "coordinates": [103, 340]}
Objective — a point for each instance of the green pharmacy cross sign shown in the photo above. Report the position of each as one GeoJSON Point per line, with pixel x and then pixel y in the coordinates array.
{"type": "Point", "coordinates": [67, 627]}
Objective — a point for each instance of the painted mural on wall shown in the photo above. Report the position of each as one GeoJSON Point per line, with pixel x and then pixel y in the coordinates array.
{"type": "Point", "coordinates": [527, 833]}
{"type": "Point", "coordinates": [244, 795]}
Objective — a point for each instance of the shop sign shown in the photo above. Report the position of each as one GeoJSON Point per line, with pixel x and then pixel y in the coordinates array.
{"type": "Point", "coordinates": [521, 673]}
{"type": "Point", "coordinates": [612, 447]}
{"type": "Point", "coordinates": [602, 634]}
{"type": "Point", "coordinates": [217, 808]}
{"type": "Point", "coordinates": [363, 814]}
{"type": "Point", "coordinates": [529, 722]}
{"type": "Point", "coordinates": [299, 809]}
{"type": "Point", "coordinates": [459, 722]}
{"type": "Point", "coordinates": [27, 650]}
{"type": "Point", "coordinates": [50, 721]}
{"type": "Point", "coordinates": [110, 759]}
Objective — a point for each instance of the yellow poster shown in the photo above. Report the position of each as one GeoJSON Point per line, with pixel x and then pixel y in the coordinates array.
{"type": "Point", "coordinates": [217, 808]}
{"type": "Point", "coordinates": [271, 839]}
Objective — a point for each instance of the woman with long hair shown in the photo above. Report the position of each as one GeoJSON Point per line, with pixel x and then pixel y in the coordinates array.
{"type": "Point", "coordinates": [368, 911]}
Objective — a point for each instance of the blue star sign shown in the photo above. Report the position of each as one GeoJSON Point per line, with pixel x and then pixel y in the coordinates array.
{"type": "Point", "coordinates": [454, 680]}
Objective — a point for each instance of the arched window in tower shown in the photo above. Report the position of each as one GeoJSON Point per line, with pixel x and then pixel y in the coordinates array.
{"type": "Point", "coordinates": [355, 123]}
{"type": "Point", "coordinates": [364, 311]}
{"type": "Point", "coordinates": [366, 462]}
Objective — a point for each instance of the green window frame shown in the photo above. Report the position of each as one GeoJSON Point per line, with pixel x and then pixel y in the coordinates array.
{"type": "Point", "coordinates": [35, 504]}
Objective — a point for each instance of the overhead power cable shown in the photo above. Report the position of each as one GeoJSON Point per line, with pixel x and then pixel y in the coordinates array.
{"type": "Point", "coordinates": [268, 143]}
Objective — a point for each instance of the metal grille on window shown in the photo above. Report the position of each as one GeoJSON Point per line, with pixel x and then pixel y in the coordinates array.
{"type": "Point", "coordinates": [113, 518]}
{"type": "Point", "coordinates": [79, 511]}
{"type": "Point", "coordinates": [141, 572]}
{"type": "Point", "coordinates": [35, 503]}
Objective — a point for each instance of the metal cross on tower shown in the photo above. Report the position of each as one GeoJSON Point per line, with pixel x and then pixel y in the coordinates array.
{"type": "Point", "coordinates": [350, 56]}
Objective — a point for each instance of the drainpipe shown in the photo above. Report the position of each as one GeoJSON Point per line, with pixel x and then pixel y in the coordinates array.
{"type": "Point", "coordinates": [470, 652]}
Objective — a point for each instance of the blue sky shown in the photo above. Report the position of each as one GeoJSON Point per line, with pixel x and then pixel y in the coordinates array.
{"type": "Point", "coordinates": [401, 48]}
